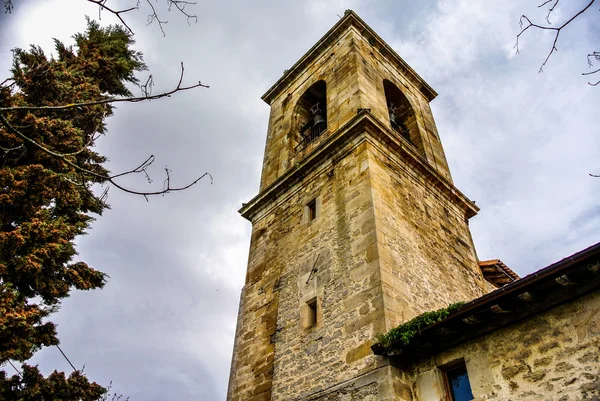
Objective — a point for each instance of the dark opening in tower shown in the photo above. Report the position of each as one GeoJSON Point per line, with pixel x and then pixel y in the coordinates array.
{"type": "Point", "coordinates": [311, 113]}
{"type": "Point", "coordinates": [402, 115]}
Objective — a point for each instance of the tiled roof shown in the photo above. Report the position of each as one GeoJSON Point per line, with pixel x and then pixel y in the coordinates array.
{"type": "Point", "coordinates": [563, 281]}
{"type": "Point", "coordinates": [497, 273]}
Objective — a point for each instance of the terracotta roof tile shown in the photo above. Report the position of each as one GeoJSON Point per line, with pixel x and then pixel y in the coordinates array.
{"type": "Point", "coordinates": [497, 273]}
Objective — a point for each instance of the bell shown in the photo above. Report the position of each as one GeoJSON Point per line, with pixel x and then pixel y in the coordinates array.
{"type": "Point", "coordinates": [393, 117]}
{"type": "Point", "coordinates": [318, 119]}
{"type": "Point", "coordinates": [392, 111]}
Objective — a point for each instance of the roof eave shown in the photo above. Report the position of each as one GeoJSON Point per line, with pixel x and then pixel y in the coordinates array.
{"type": "Point", "coordinates": [570, 278]}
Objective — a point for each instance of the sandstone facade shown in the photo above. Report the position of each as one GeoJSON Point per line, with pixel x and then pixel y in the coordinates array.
{"type": "Point", "coordinates": [390, 238]}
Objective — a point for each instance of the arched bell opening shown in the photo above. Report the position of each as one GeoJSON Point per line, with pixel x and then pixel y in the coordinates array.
{"type": "Point", "coordinates": [401, 114]}
{"type": "Point", "coordinates": [311, 113]}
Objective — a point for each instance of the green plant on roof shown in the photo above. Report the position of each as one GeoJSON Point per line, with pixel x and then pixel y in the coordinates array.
{"type": "Point", "coordinates": [404, 334]}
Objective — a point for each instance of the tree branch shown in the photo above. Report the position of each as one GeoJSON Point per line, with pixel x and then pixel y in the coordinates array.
{"type": "Point", "coordinates": [154, 17]}
{"type": "Point", "coordinates": [542, 27]}
{"type": "Point", "coordinates": [180, 5]}
{"type": "Point", "coordinates": [179, 88]}
{"type": "Point", "coordinates": [141, 168]}
{"type": "Point", "coordinates": [550, 10]}
{"type": "Point", "coordinates": [103, 7]}
{"type": "Point", "coordinates": [595, 56]}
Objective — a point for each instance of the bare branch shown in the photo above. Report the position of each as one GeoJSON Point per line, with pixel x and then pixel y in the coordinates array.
{"type": "Point", "coordinates": [7, 80]}
{"type": "Point", "coordinates": [179, 88]}
{"type": "Point", "coordinates": [154, 17]}
{"type": "Point", "coordinates": [103, 7]}
{"type": "Point", "coordinates": [64, 158]}
{"type": "Point", "coordinates": [550, 10]}
{"type": "Point", "coordinates": [530, 24]}
{"type": "Point", "coordinates": [147, 87]}
{"type": "Point", "coordinates": [591, 72]}
{"type": "Point", "coordinates": [594, 55]}
{"type": "Point", "coordinates": [181, 5]}
{"type": "Point", "coordinates": [8, 6]}
{"type": "Point", "coordinates": [591, 58]}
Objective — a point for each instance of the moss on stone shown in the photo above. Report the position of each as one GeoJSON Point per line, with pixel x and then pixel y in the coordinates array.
{"type": "Point", "coordinates": [404, 334]}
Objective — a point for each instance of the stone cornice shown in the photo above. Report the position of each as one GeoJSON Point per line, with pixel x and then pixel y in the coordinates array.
{"type": "Point", "coordinates": [331, 147]}
{"type": "Point", "coordinates": [350, 19]}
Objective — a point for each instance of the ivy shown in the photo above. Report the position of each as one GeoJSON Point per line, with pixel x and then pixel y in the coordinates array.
{"type": "Point", "coordinates": [406, 332]}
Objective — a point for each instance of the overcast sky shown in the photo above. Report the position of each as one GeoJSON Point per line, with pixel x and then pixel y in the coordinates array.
{"type": "Point", "coordinates": [519, 143]}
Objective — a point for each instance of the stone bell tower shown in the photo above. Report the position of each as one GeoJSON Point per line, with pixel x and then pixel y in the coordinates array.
{"type": "Point", "coordinates": [357, 226]}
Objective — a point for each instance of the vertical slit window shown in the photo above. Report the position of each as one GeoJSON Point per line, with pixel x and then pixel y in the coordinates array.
{"type": "Point", "coordinates": [312, 209]}
{"type": "Point", "coordinates": [309, 314]}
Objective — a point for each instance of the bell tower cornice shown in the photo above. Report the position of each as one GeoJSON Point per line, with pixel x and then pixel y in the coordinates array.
{"type": "Point", "coordinates": [367, 126]}
{"type": "Point", "coordinates": [350, 19]}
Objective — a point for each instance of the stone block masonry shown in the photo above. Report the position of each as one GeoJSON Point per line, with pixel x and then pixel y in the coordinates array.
{"type": "Point", "coordinates": [353, 232]}
{"type": "Point", "coordinates": [554, 356]}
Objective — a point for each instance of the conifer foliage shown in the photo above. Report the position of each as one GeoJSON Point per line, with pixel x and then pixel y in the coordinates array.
{"type": "Point", "coordinates": [47, 167]}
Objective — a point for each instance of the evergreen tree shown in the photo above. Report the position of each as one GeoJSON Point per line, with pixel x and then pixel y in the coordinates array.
{"type": "Point", "coordinates": [47, 167]}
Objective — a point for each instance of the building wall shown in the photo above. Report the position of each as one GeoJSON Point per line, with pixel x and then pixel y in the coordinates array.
{"type": "Point", "coordinates": [374, 243]}
{"type": "Point", "coordinates": [272, 347]}
{"type": "Point", "coordinates": [426, 253]}
{"type": "Point", "coordinates": [373, 67]}
{"type": "Point", "coordinates": [336, 65]}
{"type": "Point", "coordinates": [346, 282]}
{"type": "Point", "coordinates": [553, 356]}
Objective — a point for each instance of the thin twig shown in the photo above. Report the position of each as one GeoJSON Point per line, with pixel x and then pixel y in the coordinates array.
{"type": "Point", "coordinates": [102, 6]}
{"type": "Point", "coordinates": [102, 177]}
{"type": "Point", "coordinates": [549, 10]}
{"type": "Point", "coordinates": [179, 88]}
{"type": "Point", "coordinates": [15, 368]}
{"type": "Point", "coordinates": [556, 29]}
{"type": "Point", "coordinates": [154, 17]}
{"type": "Point", "coordinates": [63, 354]}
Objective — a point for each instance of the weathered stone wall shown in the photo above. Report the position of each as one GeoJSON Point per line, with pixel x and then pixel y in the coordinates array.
{"type": "Point", "coordinates": [272, 348]}
{"type": "Point", "coordinates": [384, 383]}
{"type": "Point", "coordinates": [346, 283]}
{"type": "Point", "coordinates": [385, 244]}
{"type": "Point", "coordinates": [373, 68]}
{"type": "Point", "coordinates": [336, 65]}
{"type": "Point", "coordinates": [554, 356]}
{"type": "Point", "coordinates": [426, 255]}
{"type": "Point", "coordinates": [354, 70]}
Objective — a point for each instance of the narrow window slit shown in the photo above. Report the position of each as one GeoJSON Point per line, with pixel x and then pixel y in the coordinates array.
{"type": "Point", "coordinates": [312, 209]}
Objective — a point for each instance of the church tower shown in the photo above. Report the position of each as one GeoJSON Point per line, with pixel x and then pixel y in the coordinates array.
{"type": "Point", "coordinates": [357, 226]}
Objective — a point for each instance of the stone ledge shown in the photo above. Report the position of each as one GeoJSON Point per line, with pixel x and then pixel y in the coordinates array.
{"type": "Point", "coordinates": [362, 127]}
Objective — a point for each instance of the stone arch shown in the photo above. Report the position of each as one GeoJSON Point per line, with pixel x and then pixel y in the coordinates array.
{"type": "Point", "coordinates": [402, 115]}
{"type": "Point", "coordinates": [311, 113]}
